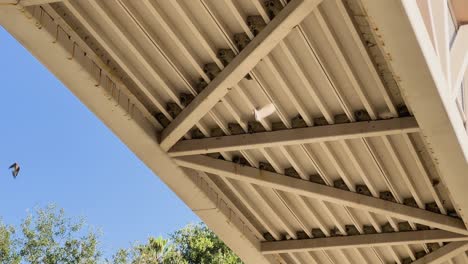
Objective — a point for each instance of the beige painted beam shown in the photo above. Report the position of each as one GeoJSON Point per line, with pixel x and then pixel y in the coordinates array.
{"type": "Point", "coordinates": [421, 79]}
{"type": "Point", "coordinates": [321, 192]}
{"type": "Point", "coordinates": [27, 2]}
{"type": "Point", "coordinates": [440, 19]}
{"type": "Point", "coordinates": [258, 48]}
{"type": "Point", "coordinates": [109, 100]}
{"type": "Point", "coordinates": [444, 253]}
{"type": "Point", "coordinates": [360, 241]}
{"type": "Point", "coordinates": [459, 58]}
{"type": "Point", "coordinates": [295, 136]}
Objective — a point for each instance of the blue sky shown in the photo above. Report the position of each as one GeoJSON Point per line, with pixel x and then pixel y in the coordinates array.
{"type": "Point", "coordinates": [68, 157]}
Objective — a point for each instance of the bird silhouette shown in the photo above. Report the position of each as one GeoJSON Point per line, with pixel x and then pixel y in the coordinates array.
{"type": "Point", "coordinates": [15, 168]}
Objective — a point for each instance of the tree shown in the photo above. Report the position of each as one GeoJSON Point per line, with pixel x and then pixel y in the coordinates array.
{"type": "Point", "coordinates": [198, 244]}
{"type": "Point", "coordinates": [48, 237]}
{"type": "Point", "coordinates": [193, 244]}
{"type": "Point", "coordinates": [155, 251]}
{"type": "Point", "coordinates": [8, 252]}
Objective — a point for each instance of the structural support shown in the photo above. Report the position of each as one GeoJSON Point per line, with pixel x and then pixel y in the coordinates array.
{"type": "Point", "coordinates": [295, 136]}
{"type": "Point", "coordinates": [243, 63]}
{"type": "Point", "coordinates": [420, 76]}
{"type": "Point", "coordinates": [360, 241]}
{"type": "Point", "coordinates": [444, 254]}
{"type": "Point", "coordinates": [440, 19]}
{"type": "Point", "coordinates": [322, 192]}
{"type": "Point", "coordinates": [459, 58]}
{"type": "Point", "coordinates": [27, 2]}
{"type": "Point", "coordinates": [109, 99]}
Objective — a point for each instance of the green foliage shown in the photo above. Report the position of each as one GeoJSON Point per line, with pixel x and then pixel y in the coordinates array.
{"type": "Point", "coordinates": [198, 244]}
{"type": "Point", "coordinates": [121, 257]}
{"type": "Point", "coordinates": [8, 245]}
{"type": "Point", "coordinates": [48, 237]}
{"type": "Point", "coordinates": [193, 244]}
{"type": "Point", "coordinates": [155, 251]}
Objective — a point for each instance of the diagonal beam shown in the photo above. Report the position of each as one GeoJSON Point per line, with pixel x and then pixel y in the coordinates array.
{"type": "Point", "coordinates": [243, 63]}
{"type": "Point", "coordinates": [360, 241]}
{"type": "Point", "coordinates": [295, 136]}
{"type": "Point", "coordinates": [321, 192]}
{"type": "Point", "coordinates": [444, 253]}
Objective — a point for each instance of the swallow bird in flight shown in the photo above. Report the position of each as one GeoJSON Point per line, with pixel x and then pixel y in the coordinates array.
{"type": "Point", "coordinates": [15, 168]}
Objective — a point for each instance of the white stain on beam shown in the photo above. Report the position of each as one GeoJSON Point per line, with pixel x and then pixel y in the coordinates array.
{"type": "Point", "coordinates": [295, 136]}
{"type": "Point", "coordinates": [260, 46]}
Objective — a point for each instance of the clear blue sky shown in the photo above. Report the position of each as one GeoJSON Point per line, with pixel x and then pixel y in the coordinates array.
{"type": "Point", "coordinates": [68, 157]}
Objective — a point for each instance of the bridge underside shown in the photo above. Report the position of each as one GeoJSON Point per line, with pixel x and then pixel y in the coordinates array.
{"type": "Point", "coordinates": [361, 161]}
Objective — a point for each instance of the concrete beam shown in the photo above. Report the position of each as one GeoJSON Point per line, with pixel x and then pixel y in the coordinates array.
{"type": "Point", "coordinates": [259, 47]}
{"type": "Point", "coordinates": [295, 136]}
{"type": "Point", "coordinates": [321, 192]}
